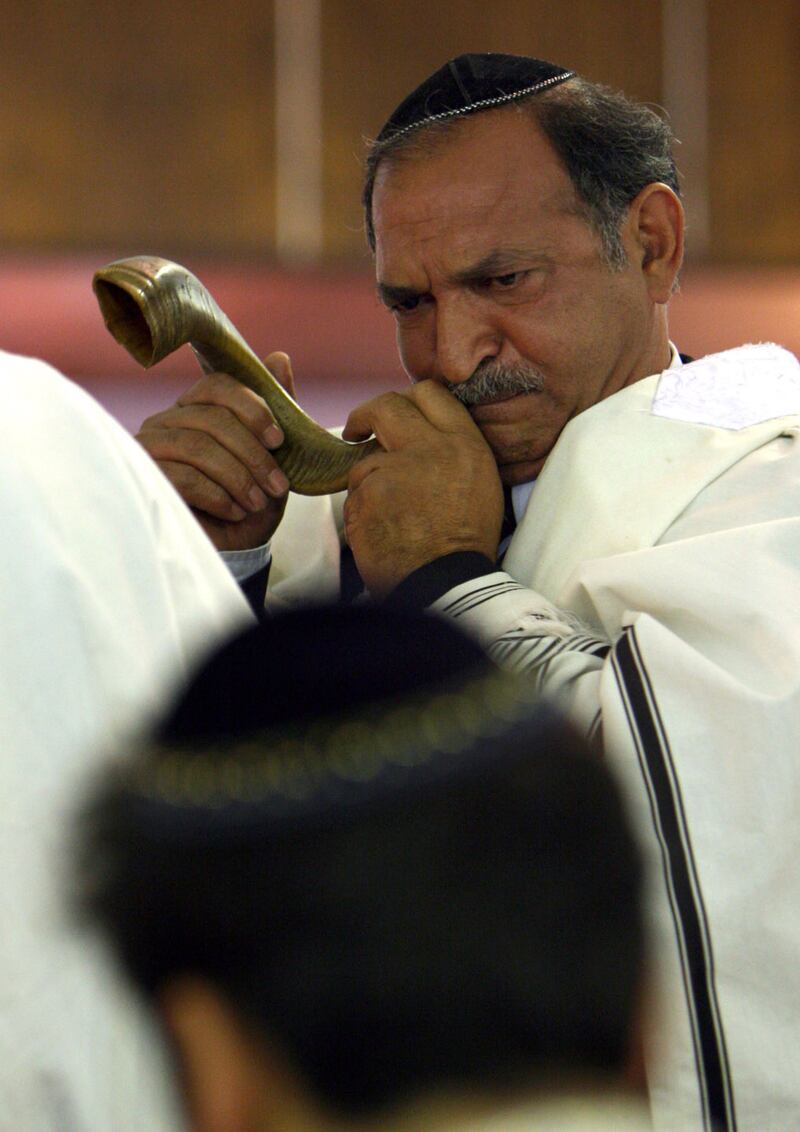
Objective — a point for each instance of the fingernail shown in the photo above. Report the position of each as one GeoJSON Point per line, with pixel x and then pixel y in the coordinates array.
{"type": "Point", "coordinates": [257, 498]}
{"type": "Point", "coordinates": [278, 482]}
{"type": "Point", "coordinates": [273, 437]}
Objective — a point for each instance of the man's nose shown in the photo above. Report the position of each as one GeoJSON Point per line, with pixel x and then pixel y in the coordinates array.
{"type": "Point", "coordinates": [464, 337]}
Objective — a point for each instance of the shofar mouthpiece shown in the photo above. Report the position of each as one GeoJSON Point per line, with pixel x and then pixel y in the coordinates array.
{"type": "Point", "coordinates": [152, 306]}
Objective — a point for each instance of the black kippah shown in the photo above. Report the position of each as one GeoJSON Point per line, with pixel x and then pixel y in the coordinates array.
{"type": "Point", "coordinates": [319, 713]}
{"type": "Point", "coordinates": [470, 83]}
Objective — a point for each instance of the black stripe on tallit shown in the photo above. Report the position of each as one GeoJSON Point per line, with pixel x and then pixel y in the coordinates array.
{"type": "Point", "coordinates": [480, 596]}
{"type": "Point", "coordinates": [691, 924]}
{"type": "Point", "coordinates": [667, 881]}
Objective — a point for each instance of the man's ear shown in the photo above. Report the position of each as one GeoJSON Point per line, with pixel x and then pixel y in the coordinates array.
{"type": "Point", "coordinates": [655, 227]}
{"type": "Point", "coordinates": [218, 1062]}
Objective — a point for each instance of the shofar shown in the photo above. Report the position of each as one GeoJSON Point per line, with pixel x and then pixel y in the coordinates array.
{"type": "Point", "coordinates": [153, 306]}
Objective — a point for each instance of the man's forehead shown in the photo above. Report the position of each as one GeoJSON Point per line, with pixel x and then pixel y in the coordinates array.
{"type": "Point", "coordinates": [493, 187]}
{"type": "Point", "coordinates": [496, 151]}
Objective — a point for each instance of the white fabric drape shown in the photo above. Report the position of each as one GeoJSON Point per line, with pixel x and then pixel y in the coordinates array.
{"type": "Point", "coordinates": [109, 592]}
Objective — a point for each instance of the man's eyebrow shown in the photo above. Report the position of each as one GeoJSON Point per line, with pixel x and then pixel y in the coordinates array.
{"type": "Point", "coordinates": [390, 294]}
{"type": "Point", "coordinates": [500, 262]}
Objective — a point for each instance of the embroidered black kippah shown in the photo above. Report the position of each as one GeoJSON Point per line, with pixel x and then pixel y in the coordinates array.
{"type": "Point", "coordinates": [323, 712]}
{"type": "Point", "coordinates": [470, 83]}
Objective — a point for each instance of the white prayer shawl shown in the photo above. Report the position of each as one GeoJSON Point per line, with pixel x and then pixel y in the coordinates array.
{"type": "Point", "coordinates": [667, 520]}
{"type": "Point", "coordinates": [110, 592]}
{"type": "Point", "coordinates": [653, 587]}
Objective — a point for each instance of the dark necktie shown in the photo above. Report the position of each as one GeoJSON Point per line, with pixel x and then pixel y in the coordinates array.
{"type": "Point", "coordinates": [508, 527]}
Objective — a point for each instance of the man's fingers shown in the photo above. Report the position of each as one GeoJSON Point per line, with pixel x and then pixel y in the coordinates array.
{"type": "Point", "coordinates": [216, 447]}
{"type": "Point", "coordinates": [169, 436]}
{"type": "Point", "coordinates": [391, 417]}
{"type": "Point", "coordinates": [397, 418]}
{"type": "Point", "coordinates": [280, 366]}
{"type": "Point", "coordinates": [201, 493]}
{"type": "Point", "coordinates": [196, 449]}
{"type": "Point", "coordinates": [438, 405]}
{"type": "Point", "coordinates": [365, 467]}
{"type": "Point", "coordinates": [250, 409]}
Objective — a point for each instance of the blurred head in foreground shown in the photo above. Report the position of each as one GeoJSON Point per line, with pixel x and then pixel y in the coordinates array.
{"type": "Point", "coordinates": [366, 880]}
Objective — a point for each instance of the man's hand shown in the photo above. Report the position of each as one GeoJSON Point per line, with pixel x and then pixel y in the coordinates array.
{"type": "Point", "coordinates": [435, 488]}
{"type": "Point", "coordinates": [214, 445]}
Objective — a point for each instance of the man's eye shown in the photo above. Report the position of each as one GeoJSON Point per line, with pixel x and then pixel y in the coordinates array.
{"type": "Point", "coordinates": [405, 306]}
{"type": "Point", "coordinates": [509, 279]}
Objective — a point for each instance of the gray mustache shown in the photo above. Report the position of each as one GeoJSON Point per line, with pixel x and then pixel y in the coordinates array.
{"type": "Point", "coordinates": [492, 382]}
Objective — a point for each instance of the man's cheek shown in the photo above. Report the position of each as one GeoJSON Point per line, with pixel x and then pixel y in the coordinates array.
{"type": "Point", "coordinates": [417, 360]}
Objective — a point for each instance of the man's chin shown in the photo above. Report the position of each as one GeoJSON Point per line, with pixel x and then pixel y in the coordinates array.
{"type": "Point", "coordinates": [522, 472]}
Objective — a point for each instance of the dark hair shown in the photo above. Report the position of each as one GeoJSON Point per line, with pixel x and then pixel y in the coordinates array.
{"type": "Point", "coordinates": [611, 147]}
{"type": "Point", "coordinates": [474, 927]}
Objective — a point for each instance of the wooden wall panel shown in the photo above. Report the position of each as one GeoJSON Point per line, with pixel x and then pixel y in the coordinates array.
{"type": "Point", "coordinates": [136, 125]}
{"type": "Point", "coordinates": [150, 125]}
{"type": "Point", "coordinates": [375, 53]}
{"type": "Point", "coordinates": [754, 87]}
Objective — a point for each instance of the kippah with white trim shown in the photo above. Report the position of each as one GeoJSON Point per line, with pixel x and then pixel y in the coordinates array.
{"type": "Point", "coordinates": [471, 83]}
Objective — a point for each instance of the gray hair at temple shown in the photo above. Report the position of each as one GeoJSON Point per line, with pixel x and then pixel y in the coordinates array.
{"type": "Point", "coordinates": [610, 146]}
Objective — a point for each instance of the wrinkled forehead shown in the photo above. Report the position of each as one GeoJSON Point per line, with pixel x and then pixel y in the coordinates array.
{"type": "Point", "coordinates": [491, 168]}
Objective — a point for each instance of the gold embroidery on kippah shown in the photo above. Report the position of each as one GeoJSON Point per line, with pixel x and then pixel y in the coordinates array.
{"type": "Point", "coordinates": [295, 762]}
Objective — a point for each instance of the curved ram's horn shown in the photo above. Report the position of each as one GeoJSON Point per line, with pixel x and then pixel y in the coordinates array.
{"type": "Point", "coordinates": [153, 306]}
